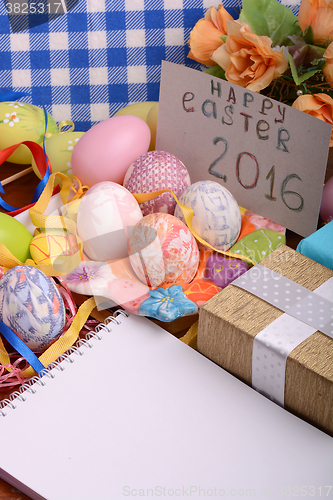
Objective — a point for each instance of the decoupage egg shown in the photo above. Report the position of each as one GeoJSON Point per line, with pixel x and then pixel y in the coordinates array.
{"type": "Point", "coordinates": [106, 214]}
{"type": "Point", "coordinates": [223, 270]}
{"type": "Point", "coordinates": [15, 236]}
{"type": "Point", "coordinates": [163, 250]}
{"type": "Point", "coordinates": [106, 151]}
{"type": "Point", "coordinates": [154, 171]}
{"type": "Point", "coordinates": [19, 122]}
{"type": "Point", "coordinates": [31, 306]}
{"type": "Point", "coordinates": [217, 218]}
{"type": "Point", "coordinates": [326, 206]}
{"type": "Point", "coordinates": [49, 244]}
{"type": "Point", "coordinates": [59, 149]}
{"type": "Point", "coordinates": [258, 244]}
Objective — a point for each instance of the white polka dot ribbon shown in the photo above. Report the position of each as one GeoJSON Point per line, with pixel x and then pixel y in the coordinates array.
{"type": "Point", "coordinates": [305, 313]}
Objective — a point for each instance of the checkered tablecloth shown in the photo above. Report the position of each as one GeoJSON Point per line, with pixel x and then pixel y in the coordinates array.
{"type": "Point", "coordinates": [98, 57]}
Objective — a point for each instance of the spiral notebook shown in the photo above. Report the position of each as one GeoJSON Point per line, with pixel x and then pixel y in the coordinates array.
{"type": "Point", "coordinates": [134, 412]}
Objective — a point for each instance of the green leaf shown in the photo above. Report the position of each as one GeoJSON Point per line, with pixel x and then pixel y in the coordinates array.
{"type": "Point", "coordinates": [298, 79]}
{"type": "Point", "coordinates": [270, 18]}
{"type": "Point", "coordinates": [308, 35]}
{"type": "Point", "coordinates": [216, 71]}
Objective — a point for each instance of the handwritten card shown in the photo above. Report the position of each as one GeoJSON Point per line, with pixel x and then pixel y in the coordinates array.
{"type": "Point", "coordinates": [270, 156]}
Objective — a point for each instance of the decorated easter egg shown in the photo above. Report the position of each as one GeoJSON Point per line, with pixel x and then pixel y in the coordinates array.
{"type": "Point", "coordinates": [199, 291]}
{"type": "Point", "coordinates": [50, 244]}
{"type": "Point", "coordinates": [258, 244]}
{"type": "Point", "coordinates": [217, 218]}
{"type": "Point", "coordinates": [223, 270]}
{"type": "Point", "coordinates": [22, 122]}
{"type": "Point", "coordinates": [140, 109]}
{"type": "Point", "coordinates": [154, 171]}
{"type": "Point", "coordinates": [163, 250]}
{"type": "Point", "coordinates": [31, 306]}
{"type": "Point", "coordinates": [106, 215]}
{"type": "Point", "coordinates": [15, 236]}
{"type": "Point", "coordinates": [107, 150]}
{"type": "Point", "coordinates": [59, 149]}
{"type": "Point", "coordinates": [326, 206]}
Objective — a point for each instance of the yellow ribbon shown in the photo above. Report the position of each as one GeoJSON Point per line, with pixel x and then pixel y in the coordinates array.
{"type": "Point", "coordinates": [62, 124]}
{"type": "Point", "coordinates": [188, 214]}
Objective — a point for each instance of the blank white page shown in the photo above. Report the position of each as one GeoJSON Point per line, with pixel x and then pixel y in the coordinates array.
{"type": "Point", "coordinates": [142, 414]}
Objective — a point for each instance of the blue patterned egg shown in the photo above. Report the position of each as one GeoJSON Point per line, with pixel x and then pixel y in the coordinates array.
{"type": "Point", "coordinates": [31, 306]}
{"type": "Point", "coordinates": [217, 218]}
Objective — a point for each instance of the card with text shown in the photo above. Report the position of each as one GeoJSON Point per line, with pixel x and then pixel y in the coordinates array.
{"type": "Point", "coordinates": [270, 156]}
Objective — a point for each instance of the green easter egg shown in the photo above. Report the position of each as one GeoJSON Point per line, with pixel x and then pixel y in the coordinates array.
{"type": "Point", "coordinates": [19, 122]}
{"type": "Point", "coordinates": [59, 150]}
{"type": "Point", "coordinates": [258, 244]}
{"type": "Point", "coordinates": [15, 236]}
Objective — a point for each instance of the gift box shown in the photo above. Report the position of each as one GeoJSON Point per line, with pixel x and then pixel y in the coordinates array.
{"type": "Point", "coordinates": [272, 328]}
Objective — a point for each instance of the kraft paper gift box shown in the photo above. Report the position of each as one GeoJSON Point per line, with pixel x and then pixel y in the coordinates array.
{"type": "Point", "coordinates": [284, 355]}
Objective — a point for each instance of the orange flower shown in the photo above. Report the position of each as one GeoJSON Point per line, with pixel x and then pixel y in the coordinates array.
{"type": "Point", "coordinates": [319, 15]}
{"type": "Point", "coordinates": [206, 35]}
{"type": "Point", "coordinates": [328, 68]}
{"type": "Point", "coordinates": [248, 59]}
{"type": "Point", "coordinates": [318, 105]}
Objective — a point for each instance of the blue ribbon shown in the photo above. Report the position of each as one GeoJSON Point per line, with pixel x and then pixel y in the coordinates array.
{"type": "Point", "coordinates": [13, 96]}
{"type": "Point", "coordinates": [21, 348]}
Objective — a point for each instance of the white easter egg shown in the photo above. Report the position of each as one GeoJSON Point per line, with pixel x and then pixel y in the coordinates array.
{"type": "Point", "coordinates": [217, 218]}
{"type": "Point", "coordinates": [106, 215]}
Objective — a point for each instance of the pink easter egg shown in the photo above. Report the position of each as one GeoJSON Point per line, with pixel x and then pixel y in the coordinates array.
{"type": "Point", "coordinates": [106, 215]}
{"type": "Point", "coordinates": [105, 152]}
{"type": "Point", "coordinates": [163, 250]}
{"type": "Point", "coordinates": [326, 207]}
{"type": "Point", "coordinates": [155, 171]}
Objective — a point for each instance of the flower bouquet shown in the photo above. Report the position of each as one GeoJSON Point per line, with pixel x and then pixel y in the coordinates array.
{"type": "Point", "coordinates": [268, 49]}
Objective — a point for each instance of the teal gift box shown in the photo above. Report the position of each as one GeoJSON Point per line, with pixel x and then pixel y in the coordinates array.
{"type": "Point", "coordinates": [319, 246]}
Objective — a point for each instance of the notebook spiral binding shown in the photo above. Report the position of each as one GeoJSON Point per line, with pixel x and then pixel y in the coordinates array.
{"type": "Point", "coordinates": [30, 385]}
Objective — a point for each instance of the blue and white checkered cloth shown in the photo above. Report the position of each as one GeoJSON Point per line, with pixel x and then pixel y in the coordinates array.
{"type": "Point", "coordinates": [100, 56]}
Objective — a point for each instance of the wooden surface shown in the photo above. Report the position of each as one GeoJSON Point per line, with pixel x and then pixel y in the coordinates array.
{"type": "Point", "coordinates": [19, 193]}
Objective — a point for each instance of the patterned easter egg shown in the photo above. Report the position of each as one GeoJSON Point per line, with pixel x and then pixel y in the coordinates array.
{"type": "Point", "coordinates": [199, 291]}
{"type": "Point", "coordinates": [154, 171]}
{"type": "Point", "coordinates": [223, 270]}
{"type": "Point", "coordinates": [19, 122]}
{"type": "Point", "coordinates": [217, 218]}
{"type": "Point", "coordinates": [106, 214]}
{"type": "Point", "coordinates": [31, 306]}
{"type": "Point", "coordinates": [258, 244]}
{"type": "Point", "coordinates": [59, 150]}
{"type": "Point", "coordinates": [163, 250]}
{"type": "Point", "coordinates": [48, 245]}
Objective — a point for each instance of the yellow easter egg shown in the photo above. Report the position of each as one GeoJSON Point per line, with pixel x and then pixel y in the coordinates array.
{"type": "Point", "coordinates": [19, 122]}
{"type": "Point", "coordinates": [140, 109]}
{"type": "Point", "coordinates": [59, 150]}
{"type": "Point", "coordinates": [50, 244]}
{"type": "Point", "coordinates": [151, 121]}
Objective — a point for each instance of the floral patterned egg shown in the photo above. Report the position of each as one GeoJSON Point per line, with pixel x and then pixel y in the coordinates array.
{"type": "Point", "coordinates": [19, 122]}
{"type": "Point", "coordinates": [163, 250]}
{"type": "Point", "coordinates": [154, 171]}
{"type": "Point", "coordinates": [59, 150]}
{"type": "Point", "coordinates": [31, 306]}
{"type": "Point", "coordinates": [217, 218]}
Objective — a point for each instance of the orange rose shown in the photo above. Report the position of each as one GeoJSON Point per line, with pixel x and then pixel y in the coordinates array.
{"type": "Point", "coordinates": [248, 59]}
{"type": "Point", "coordinates": [206, 35]}
{"type": "Point", "coordinates": [319, 15]}
{"type": "Point", "coordinates": [328, 68]}
{"type": "Point", "coordinates": [318, 105]}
